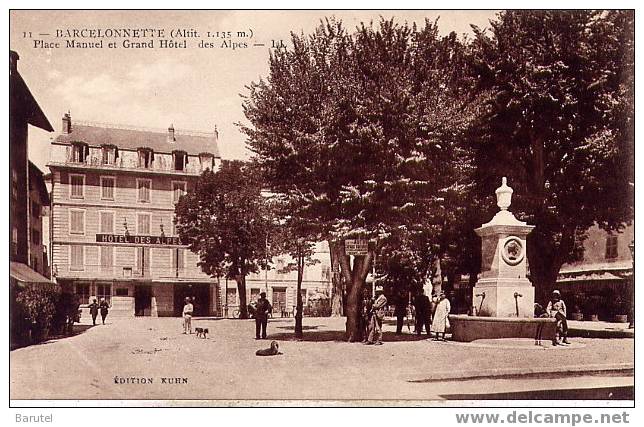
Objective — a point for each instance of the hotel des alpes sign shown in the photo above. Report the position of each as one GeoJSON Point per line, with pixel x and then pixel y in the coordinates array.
{"type": "Point", "coordinates": [113, 237]}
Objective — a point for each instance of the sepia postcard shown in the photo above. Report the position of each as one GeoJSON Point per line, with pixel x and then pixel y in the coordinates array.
{"type": "Point", "coordinates": [322, 208]}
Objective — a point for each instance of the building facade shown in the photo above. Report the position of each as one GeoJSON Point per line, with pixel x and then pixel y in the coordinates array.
{"type": "Point", "coordinates": [26, 185]}
{"type": "Point", "coordinates": [281, 287]}
{"type": "Point", "coordinates": [607, 264]}
{"type": "Point", "coordinates": [113, 237]}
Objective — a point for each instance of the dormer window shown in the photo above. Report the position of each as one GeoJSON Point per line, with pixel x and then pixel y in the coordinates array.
{"type": "Point", "coordinates": [109, 154]}
{"type": "Point", "coordinates": [180, 160]}
{"type": "Point", "coordinates": [80, 152]}
{"type": "Point", "coordinates": [146, 156]}
{"type": "Point", "coordinates": [206, 161]}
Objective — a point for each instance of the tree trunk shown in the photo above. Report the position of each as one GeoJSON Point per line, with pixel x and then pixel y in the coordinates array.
{"type": "Point", "coordinates": [299, 333]}
{"type": "Point", "coordinates": [241, 291]}
{"type": "Point", "coordinates": [356, 277]}
{"type": "Point", "coordinates": [335, 253]}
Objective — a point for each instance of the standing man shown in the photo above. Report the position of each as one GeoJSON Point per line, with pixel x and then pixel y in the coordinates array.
{"type": "Point", "coordinates": [376, 320]}
{"type": "Point", "coordinates": [557, 310]}
{"type": "Point", "coordinates": [104, 306]}
{"type": "Point", "coordinates": [261, 316]}
{"type": "Point", "coordinates": [400, 312]}
{"type": "Point", "coordinates": [187, 316]}
{"type": "Point", "coordinates": [93, 310]}
{"type": "Point", "coordinates": [423, 312]}
{"type": "Point", "coordinates": [367, 307]}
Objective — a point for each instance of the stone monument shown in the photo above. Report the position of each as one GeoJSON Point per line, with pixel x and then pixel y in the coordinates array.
{"type": "Point", "coordinates": [502, 289]}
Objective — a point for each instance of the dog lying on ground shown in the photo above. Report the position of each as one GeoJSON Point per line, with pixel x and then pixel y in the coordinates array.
{"type": "Point", "coordinates": [201, 332]}
{"type": "Point", "coordinates": [273, 351]}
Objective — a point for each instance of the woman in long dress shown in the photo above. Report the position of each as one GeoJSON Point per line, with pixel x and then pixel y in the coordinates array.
{"type": "Point", "coordinates": [440, 321]}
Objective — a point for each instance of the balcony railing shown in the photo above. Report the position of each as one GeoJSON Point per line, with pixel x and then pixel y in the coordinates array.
{"type": "Point", "coordinates": [125, 273]}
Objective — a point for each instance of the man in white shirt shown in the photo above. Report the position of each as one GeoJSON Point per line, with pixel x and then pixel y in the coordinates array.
{"type": "Point", "coordinates": [187, 316]}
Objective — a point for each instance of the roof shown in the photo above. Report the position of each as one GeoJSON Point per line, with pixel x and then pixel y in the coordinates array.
{"type": "Point", "coordinates": [23, 273]}
{"type": "Point", "coordinates": [37, 178]}
{"type": "Point", "coordinates": [22, 101]}
{"type": "Point", "coordinates": [132, 139]}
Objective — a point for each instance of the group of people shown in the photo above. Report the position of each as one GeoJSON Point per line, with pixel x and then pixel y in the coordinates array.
{"type": "Point", "coordinates": [432, 315]}
{"type": "Point", "coordinates": [95, 308]}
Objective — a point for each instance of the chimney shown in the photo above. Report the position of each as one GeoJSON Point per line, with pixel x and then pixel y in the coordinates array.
{"type": "Point", "coordinates": [171, 134]}
{"type": "Point", "coordinates": [13, 61]}
{"type": "Point", "coordinates": [67, 123]}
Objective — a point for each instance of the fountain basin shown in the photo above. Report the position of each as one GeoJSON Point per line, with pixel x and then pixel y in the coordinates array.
{"type": "Point", "coordinates": [470, 328]}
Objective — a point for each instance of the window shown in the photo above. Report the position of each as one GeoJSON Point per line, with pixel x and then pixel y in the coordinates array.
{"type": "Point", "coordinates": [180, 160]}
{"type": "Point", "coordinates": [35, 209]}
{"type": "Point", "coordinates": [611, 246]}
{"type": "Point", "coordinates": [104, 292]}
{"type": "Point", "coordinates": [14, 240]}
{"type": "Point", "coordinates": [326, 273]}
{"type": "Point", "coordinates": [106, 220]}
{"type": "Point", "coordinates": [76, 258]}
{"type": "Point", "coordinates": [79, 152]}
{"type": "Point", "coordinates": [76, 221]}
{"type": "Point", "coordinates": [143, 260]}
{"type": "Point", "coordinates": [279, 299]}
{"type": "Point", "coordinates": [178, 190]}
{"type": "Point", "coordinates": [109, 155]}
{"type": "Point", "coordinates": [143, 224]}
{"type": "Point", "coordinates": [107, 188]}
{"type": "Point", "coordinates": [178, 259]}
{"type": "Point", "coordinates": [144, 186]}
{"type": "Point", "coordinates": [231, 296]}
{"type": "Point", "coordinates": [35, 236]}
{"type": "Point", "coordinates": [206, 161]}
{"type": "Point", "coordinates": [77, 184]}
{"type": "Point", "coordinates": [107, 258]}
{"type": "Point", "coordinates": [14, 184]}
{"type": "Point", "coordinates": [121, 292]}
{"type": "Point", "coordinates": [82, 292]}
{"type": "Point", "coordinates": [145, 158]}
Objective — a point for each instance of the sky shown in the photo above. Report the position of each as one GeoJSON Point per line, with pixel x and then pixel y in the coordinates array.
{"type": "Point", "coordinates": [193, 88]}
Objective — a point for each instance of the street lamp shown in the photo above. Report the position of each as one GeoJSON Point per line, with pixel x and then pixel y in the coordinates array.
{"type": "Point", "coordinates": [631, 324]}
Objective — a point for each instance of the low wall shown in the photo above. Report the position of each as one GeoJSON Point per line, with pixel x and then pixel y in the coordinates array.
{"type": "Point", "coordinates": [469, 328]}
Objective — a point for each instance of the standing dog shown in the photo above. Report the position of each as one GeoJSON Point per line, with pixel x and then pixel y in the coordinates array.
{"type": "Point", "coordinates": [202, 332]}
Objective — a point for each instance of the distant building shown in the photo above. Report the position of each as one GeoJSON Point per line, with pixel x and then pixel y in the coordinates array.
{"type": "Point", "coordinates": [281, 288]}
{"type": "Point", "coordinates": [607, 264]}
{"type": "Point", "coordinates": [38, 208]}
{"type": "Point", "coordinates": [114, 190]}
{"type": "Point", "coordinates": [26, 187]}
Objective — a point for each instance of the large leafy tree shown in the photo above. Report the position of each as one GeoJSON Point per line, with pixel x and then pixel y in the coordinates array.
{"type": "Point", "coordinates": [559, 124]}
{"type": "Point", "coordinates": [226, 221]}
{"type": "Point", "coordinates": [353, 125]}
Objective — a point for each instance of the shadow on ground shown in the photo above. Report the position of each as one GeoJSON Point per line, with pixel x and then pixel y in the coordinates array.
{"type": "Point", "coordinates": [313, 335]}
{"type": "Point", "coordinates": [599, 393]}
{"type": "Point", "coordinates": [78, 330]}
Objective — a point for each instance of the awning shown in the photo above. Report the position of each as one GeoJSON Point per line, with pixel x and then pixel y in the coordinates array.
{"type": "Point", "coordinates": [590, 277]}
{"type": "Point", "coordinates": [25, 274]}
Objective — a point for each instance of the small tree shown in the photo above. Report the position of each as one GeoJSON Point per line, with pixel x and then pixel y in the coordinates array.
{"type": "Point", "coordinates": [225, 221]}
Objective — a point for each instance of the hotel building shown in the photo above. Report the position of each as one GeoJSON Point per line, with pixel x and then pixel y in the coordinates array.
{"type": "Point", "coordinates": [112, 233]}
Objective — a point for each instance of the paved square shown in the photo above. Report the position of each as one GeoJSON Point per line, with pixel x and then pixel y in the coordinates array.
{"type": "Point", "coordinates": [118, 360]}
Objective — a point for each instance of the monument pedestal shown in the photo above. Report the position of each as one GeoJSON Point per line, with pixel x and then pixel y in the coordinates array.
{"type": "Point", "coordinates": [503, 290]}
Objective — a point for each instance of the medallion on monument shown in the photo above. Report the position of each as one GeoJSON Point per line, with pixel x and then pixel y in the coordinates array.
{"type": "Point", "coordinates": [513, 252]}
